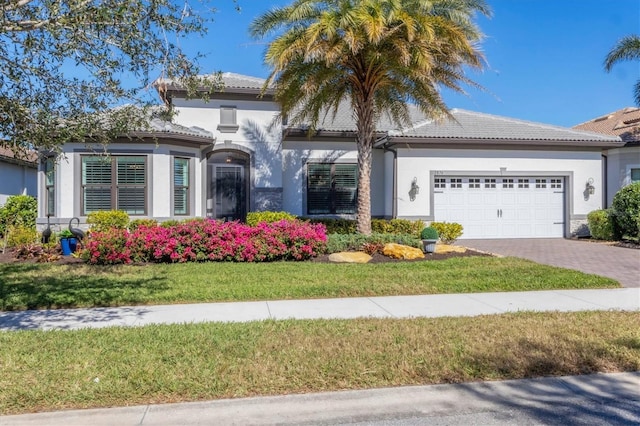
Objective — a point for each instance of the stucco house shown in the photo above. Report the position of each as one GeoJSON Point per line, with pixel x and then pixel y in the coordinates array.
{"type": "Point", "coordinates": [18, 174]}
{"type": "Point", "coordinates": [499, 177]}
{"type": "Point", "coordinates": [623, 163]}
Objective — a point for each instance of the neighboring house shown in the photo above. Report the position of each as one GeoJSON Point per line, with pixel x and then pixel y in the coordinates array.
{"type": "Point", "coordinates": [498, 177]}
{"type": "Point", "coordinates": [18, 174]}
{"type": "Point", "coordinates": [622, 164]}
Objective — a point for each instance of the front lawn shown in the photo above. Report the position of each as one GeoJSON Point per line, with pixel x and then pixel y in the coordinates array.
{"type": "Point", "coordinates": [57, 370]}
{"type": "Point", "coordinates": [40, 286]}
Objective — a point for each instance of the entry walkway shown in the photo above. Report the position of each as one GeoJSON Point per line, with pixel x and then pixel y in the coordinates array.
{"type": "Point", "coordinates": [439, 305]}
{"type": "Point", "coordinates": [621, 264]}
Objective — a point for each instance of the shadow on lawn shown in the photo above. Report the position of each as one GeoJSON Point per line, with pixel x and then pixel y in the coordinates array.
{"type": "Point", "coordinates": [546, 402]}
{"type": "Point", "coordinates": [73, 287]}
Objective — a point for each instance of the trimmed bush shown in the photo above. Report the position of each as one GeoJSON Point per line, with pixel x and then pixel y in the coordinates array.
{"type": "Point", "coordinates": [18, 211]}
{"type": "Point", "coordinates": [449, 232]}
{"type": "Point", "coordinates": [359, 242]}
{"type": "Point", "coordinates": [625, 210]}
{"type": "Point", "coordinates": [21, 235]}
{"type": "Point", "coordinates": [378, 226]}
{"type": "Point", "coordinates": [336, 226]}
{"type": "Point", "coordinates": [429, 233]}
{"type": "Point", "coordinates": [136, 223]}
{"type": "Point", "coordinates": [600, 225]}
{"type": "Point", "coordinates": [208, 240]}
{"type": "Point", "coordinates": [104, 220]}
{"type": "Point", "coordinates": [253, 218]}
{"type": "Point", "coordinates": [397, 226]}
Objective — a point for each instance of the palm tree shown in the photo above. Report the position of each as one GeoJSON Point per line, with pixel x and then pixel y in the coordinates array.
{"type": "Point", "coordinates": [626, 49]}
{"type": "Point", "coordinates": [378, 55]}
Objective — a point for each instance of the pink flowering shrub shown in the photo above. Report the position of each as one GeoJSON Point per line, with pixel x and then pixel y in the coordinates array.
{"type": "Point", "coordinates": [209, 240]}
{"type": "Point", "coordinates": [107, 247]}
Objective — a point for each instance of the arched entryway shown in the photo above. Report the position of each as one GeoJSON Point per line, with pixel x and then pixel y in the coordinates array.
{"type": "Point", "coordinates": [228, 185]}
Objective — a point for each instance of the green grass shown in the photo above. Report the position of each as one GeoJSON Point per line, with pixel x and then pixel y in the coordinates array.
{"type": "Point", "coordinates": [56, 370]}
{"type": "Point", "coordinates": [39, 286]}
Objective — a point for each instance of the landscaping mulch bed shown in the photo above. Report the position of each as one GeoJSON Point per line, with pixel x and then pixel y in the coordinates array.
{"type": "Point", "coordinates": [9, 257]}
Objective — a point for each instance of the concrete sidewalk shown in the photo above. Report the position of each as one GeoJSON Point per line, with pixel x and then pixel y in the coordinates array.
{"type": "Point", "coordinates": [439, 305]}
{"type": "Point", "coordinates": [598, 399]}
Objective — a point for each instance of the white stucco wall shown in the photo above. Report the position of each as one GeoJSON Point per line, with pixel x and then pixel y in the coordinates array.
{"type": "Point", "coordinates": [159, 174]}
{"type": "Point", "coordinates": [257, 132]}
{"type": "Point", "coordinates": [16, 179]}
{"type": "Point", "coordinates": [619, 164]}
{"type": "Point", "coordinates": [419, 163]}
{"type": "Point", "coordinates": [296, 154]}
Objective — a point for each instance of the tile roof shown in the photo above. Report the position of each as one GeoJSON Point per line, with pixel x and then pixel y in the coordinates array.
{"type": "Point", "coordinates": [238, 81]}
{"type": "Point", "coordinates": [158, 125]}
{"type": "Point", "coordinates": [624, 123]}
{"type": "Point", "coordinates": [475, 125]}
{"type": "Point", "coordinates": [464, 125]}
{"type": "Point", "coordinates": [24, 157]}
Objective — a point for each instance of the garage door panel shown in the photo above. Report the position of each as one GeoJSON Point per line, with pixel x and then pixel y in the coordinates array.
{"type": "Point", "coordinates": [487, 207]}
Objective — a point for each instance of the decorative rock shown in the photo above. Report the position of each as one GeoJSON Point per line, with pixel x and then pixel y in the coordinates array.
{"type": "Point", "coordinates": [398, 251]}
{"type": "Point", "coordinates": [349, 257]}
{"type": "Point", "coordinates": [446, 248]}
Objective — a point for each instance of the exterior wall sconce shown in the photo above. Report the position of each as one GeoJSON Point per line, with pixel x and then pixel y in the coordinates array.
{"type": "Point", "coordinates": [590, 189]}
{"type": "Point", "coordinates": [415, 189]}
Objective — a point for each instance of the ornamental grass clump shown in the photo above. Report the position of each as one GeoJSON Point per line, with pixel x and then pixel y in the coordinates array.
{"type": "Point", "coordinates": [209, 240]}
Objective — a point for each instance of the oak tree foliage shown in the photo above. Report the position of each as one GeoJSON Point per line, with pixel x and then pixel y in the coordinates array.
{"type": "Point", "coordinates": [67, 67]}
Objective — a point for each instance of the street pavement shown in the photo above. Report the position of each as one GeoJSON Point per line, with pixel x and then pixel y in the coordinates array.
{"type": "Point", "coordinates": [599, 399]}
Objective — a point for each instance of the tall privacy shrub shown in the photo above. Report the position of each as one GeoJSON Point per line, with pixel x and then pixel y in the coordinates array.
{"type": "Point", "coordinates": [18, 211]}
{"type": "Point", "coordinates": [626, 210]}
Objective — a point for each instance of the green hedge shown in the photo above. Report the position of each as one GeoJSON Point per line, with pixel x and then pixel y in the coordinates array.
{"type": "Point", "coordinates": [253, 218]}
{"type": "Point", "coordinates": [355, 242]}
{"type": "Point", "coordinates": [449, 232]}
{"type": "Point", "coordinates": [18, 211]}
{"type": "Point", "coordinates": [104, 220]}
{"type": "Point", "coordinates": [625, 210]}
{"type": "Point", "coordinates": [378, 226]}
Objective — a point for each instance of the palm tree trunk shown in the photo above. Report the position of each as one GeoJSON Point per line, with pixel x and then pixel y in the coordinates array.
{"type": "Point", "coordinates": [366, 129]}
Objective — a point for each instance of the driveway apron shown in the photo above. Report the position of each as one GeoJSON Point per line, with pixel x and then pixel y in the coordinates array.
{"type": "Point", "coordinates": [621, 264]}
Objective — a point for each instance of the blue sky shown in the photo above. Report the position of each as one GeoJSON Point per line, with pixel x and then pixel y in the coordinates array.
{"type": "Point", "coordinates": [544, 56]}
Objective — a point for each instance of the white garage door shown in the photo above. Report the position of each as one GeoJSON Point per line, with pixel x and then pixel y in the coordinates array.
{"type": "Point", "coordinates": [502, 207]}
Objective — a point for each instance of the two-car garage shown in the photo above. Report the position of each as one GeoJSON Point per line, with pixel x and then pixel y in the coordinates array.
{"type": "Point", "coordinates": [502, 207]}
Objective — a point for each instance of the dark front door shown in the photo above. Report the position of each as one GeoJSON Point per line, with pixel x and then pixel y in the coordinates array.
{"type": "Point", "coordinates": [230, 196]}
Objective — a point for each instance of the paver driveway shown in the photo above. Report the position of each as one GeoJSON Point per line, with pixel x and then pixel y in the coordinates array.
{"type": "Point", "coordinates": [622, 264]}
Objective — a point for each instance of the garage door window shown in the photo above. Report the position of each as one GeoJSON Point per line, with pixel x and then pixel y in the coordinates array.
{"type": "Point", "coordinates": [523, 183]}
{"type": "Point", "coordinates": [474, 183]}
{"type": "Point", "coordinates": [456, 183]}
{"type": "Point", "coordinates": [556, 183]}
{"type": "Point", "coordinates": [507, 183]}
{"type": "Point", "coordinates": [541, 183]}
{"type": "Point", "coordinates": [489, 183]}
{"type": "Point", "coordinates": [440, 183]}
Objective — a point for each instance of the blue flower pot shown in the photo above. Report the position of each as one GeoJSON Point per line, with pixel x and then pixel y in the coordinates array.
{"type": "Point", "coordinates": [68, 245]}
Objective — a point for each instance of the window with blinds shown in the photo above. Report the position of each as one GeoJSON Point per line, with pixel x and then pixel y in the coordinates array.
{"type": "Point", "coordinates": [114, 183]}
{"type": "Point", "coordinates": [50, 186]}
{"type": "Point", "coordinates": [332, 188]}
{"type": "Point", "coordinates": [181, 186]}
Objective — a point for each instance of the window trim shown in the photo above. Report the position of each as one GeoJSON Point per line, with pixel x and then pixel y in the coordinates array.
{"type": "Point", "coordinates": [113, 185]}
